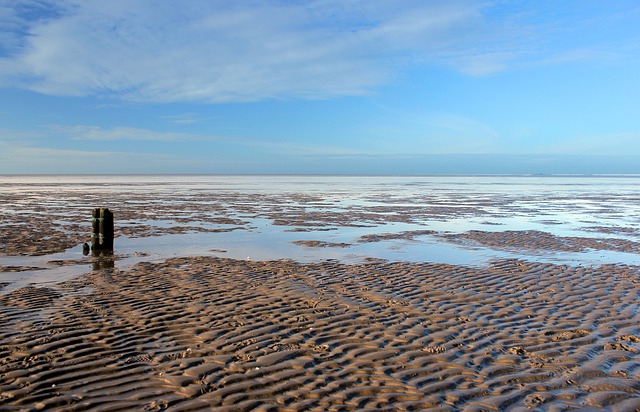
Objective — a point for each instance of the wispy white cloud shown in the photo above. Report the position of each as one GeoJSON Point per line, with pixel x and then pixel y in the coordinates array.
{"type": "Point", "coordinates": [232, 51]}
{"type": "Point", "coordinates": [11, 151]}
{"type": "Point", "coordinates": [19, 158]}
{"type": "Point", "coordinates": [9, 135]}
{"type": "Point", "coordinates": [421, 131]}
{"type": "Point", "coordinates": [220, 51]}
{"type": "Point", "coordinates": [298, 149]}
{"type": "Point", "coordinates": [83, 132]}
{"type": "Point", "coordinates": [182, 118]}
{"type": "Point", "coordinates": [32, 141]}
{"type": "Point", "coordinates": [461, 134]}
{"type": "Point", "coordinates": [606, 144]}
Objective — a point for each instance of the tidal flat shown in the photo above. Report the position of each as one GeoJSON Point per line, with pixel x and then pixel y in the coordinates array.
{"type": "Point", "coordinates": [321, 293]}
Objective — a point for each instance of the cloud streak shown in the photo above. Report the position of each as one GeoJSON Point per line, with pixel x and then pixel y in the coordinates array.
{"type": "Point", "coordinates": [228, 51]}
{"type": "Point", "coordinates": [27, 159]}
{"type": "Point", "coordinates": [96, 133]}
{"type": "Point", "coordinates": [17, 158]}
{"type": "Point", "coordinates": [220, 51]}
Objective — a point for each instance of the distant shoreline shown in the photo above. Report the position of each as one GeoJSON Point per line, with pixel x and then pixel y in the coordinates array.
{"type": "Point", "coordinates": [334, 175]}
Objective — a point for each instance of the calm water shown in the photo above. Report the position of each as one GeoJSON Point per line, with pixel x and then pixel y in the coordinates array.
{"type": "Point", "coordinates": [561, 205]}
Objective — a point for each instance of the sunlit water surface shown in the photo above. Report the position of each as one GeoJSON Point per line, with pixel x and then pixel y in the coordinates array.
{"type": "Point", "coordinates": [560, 205]}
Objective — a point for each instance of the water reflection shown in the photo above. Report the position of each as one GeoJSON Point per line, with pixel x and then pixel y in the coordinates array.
{"type": "Point", "coordinates": [175, 216]}
{"type": "Point", "coordinates": [103, 259]}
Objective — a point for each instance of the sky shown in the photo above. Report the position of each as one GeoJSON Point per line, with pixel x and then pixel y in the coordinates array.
{"type": "Point", "coordinates": [320, 86]}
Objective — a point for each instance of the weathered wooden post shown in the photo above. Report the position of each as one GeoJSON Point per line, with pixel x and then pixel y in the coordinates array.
{"type": "Point", "coordinates": [102, 231]}
{"type": "Point", "coordinates": [95, 228]}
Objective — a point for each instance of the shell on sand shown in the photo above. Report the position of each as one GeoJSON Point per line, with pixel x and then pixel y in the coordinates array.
{"type": "Point", "coordinates": [197, 333]}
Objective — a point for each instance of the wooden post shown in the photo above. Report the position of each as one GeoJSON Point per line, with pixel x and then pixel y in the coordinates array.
{"type": "Point", "coordinates": [106, 228]}
{"type": "Point", "coordinates": [95, 229]}
{"type": "Point", "coordinates": [102, 229]}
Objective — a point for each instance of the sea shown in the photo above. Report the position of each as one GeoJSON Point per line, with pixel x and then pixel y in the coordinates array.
{"type": "Point", "coordinates": [271, 217]}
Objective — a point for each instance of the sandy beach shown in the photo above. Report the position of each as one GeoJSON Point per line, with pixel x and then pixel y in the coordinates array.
{"type": "Point", "coordinates": [208, 332]}
{"type": "Point", "coordinates": [195, 333]}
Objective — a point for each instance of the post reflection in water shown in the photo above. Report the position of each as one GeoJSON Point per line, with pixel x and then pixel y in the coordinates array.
{"type": "Point", "coordinates": [103, 259]}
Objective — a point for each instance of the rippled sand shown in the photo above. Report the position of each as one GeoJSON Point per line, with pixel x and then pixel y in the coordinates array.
{"type": "Point", "coordinates": [144, 330]}
{"type": "Point", "coordinates": [196, 333]}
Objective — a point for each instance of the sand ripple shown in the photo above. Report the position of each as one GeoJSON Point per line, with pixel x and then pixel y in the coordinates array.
{"type": "Point", "coordinates": [537, 240]}
{"type": "Point", "coordinates": [191, 334]}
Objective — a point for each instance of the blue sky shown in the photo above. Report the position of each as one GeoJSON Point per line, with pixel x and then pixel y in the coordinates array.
{"type": "Point", "coordinates": [319, 86]}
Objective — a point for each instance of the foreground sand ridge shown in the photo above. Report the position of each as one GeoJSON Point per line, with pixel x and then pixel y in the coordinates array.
{"type": "Point", "coordinates": [191, 334]}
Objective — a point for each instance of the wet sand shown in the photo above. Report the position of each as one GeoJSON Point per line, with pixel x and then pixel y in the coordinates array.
{"type": "Point", "coordinates": [202, 333]}
{"type": "Point", "coordinates": [190, 334]}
